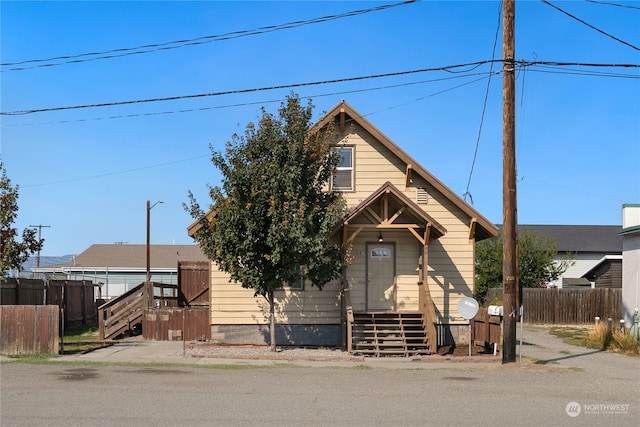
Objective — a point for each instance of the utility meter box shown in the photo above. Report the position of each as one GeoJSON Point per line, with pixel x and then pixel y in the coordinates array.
{"type": "Point", "coordinates": [494, 310]}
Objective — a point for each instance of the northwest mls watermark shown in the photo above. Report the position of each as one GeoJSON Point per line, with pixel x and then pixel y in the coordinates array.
{"type": "Point", "coordinates": [575, 409]}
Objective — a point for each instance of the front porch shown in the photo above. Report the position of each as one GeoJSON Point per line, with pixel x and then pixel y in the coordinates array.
{"type": "Point", "coordinates": [388, 309]}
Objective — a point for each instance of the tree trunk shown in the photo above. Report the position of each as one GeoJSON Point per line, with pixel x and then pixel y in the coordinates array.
{"type": "Point", "coordinates": [272, 318]}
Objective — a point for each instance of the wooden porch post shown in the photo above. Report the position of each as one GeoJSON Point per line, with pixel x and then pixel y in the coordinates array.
{"type": "Point", "coordinates": [346, 325]}
{"type": "Point", "coordinates": [429, 310]}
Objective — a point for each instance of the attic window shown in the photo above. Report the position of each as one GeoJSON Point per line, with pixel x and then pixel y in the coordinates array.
{"type": "Point", "coordinates": [342, 179]}
{"type": "Point", "coordinates": [423, 196]}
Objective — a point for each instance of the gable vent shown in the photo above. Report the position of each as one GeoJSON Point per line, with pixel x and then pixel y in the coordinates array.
{"type": "Point", "coordinates": [423, 196]}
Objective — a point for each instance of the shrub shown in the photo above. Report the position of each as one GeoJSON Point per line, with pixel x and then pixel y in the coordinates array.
{"type": "Point", "coordinates": [599, 337]}
{"type": "Point", "coordinates": [618, 340]}
{"type": "Point", "coordinates": [622, 341]}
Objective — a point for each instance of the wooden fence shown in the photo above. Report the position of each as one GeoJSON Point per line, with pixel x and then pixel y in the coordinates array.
{"type": "Point", "coordinates": [29, 329]}
{"type": "Point", "coordinates": [176, 324]}
{"type": "Point", "coordinates": [22, 292]}
{"type": "Point", "coordinates": [75, 297]}
{"type": "Point", "coordinates": [486, 329]}
{"type": "Point", "coordinates": [571, 306]}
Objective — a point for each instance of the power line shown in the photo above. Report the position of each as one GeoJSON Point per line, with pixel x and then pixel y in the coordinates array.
{"type": "Point", "coordinates": [484, 107]}
{"type": "Point", "coordinates": [551, 70]}
{"type": "Point", "coordinates": [244, 104]}
{"type": "Point", "coordinates": [448, 68]}
{"type": "Point", "coordinates": [240, 91]}
{"type": "Point", "coordinates": [204, 156]}
{"type": "Point", "coordinates": [589, 25]}
{"type": "Point", "coordinates": [148, 48]}
{"type": "Point", "coordinates": [575, 64]}
{"type": "Point", "coordinates": [114, 173]}
{"type": "Point", "coordinates": [613, 4]}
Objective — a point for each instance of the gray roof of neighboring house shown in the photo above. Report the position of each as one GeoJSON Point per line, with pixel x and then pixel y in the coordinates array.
{"type": "Point", "coordinates": [135, 256]}
{"type": "Point", "coordinates": [582, 238]}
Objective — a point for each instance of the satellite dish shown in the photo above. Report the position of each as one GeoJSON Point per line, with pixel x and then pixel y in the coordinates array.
{"type": "Point", "coordinates": [468, 307]}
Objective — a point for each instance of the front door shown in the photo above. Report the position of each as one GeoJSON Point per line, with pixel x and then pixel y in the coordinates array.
{"type": "Point", "coordinates": [381, 266]}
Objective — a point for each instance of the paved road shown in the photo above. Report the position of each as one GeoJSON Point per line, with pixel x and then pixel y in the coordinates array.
{"type": "Point", "coordinates": [603, 385]}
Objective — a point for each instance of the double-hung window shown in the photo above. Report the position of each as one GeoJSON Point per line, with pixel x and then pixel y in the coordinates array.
{"type": "Point", "coordinates": [298, 284]}
{"type": "Point", "coordinates": [342, 179]}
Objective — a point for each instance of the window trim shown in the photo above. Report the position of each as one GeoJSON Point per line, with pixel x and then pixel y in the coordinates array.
{"type": "Point", "coordinates": [351, 170]}
{"type": "Point", "coordinates": [297, 286]}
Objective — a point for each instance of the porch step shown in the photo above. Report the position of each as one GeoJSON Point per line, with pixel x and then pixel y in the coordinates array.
{"type": "Point", "coordinates": [389, 334]}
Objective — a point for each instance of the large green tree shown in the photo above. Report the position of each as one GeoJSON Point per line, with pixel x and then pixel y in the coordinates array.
{"type": "Point", "coordinates": [536, 262]}
{"type": "Point", "coordinates": [13, 253]}
{"type": "Point", "coordinates": [270, 222]}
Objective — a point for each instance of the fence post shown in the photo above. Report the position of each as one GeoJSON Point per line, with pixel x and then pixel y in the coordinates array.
{"type": "Point", "coordinates": [101, 323]}
{"type": "Point", "coordinates": [64, 302]}
{"type": "Point", "coordinates": [84, 303]}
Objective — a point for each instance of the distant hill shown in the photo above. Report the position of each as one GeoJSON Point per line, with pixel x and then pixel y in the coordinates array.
{"type": "Point", "coordinates": [46, 260]}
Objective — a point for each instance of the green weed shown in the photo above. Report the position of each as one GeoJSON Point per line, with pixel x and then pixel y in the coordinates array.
{"type": "Point", "coordinates": [574, 335]}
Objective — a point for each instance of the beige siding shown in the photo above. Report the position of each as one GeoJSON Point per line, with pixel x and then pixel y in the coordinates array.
{"type": "Point", "coordinates": [233, 305]}
{"type": "Point", "coordinates": [450, 258]}
{"type": "Point", "coordinates": [374, 165]}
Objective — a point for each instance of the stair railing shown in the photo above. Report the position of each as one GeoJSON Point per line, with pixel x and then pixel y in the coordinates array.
{"type": "Point", "coordinates": [425, 303]}
{"type": "Point", "coordinates": [121, 313]}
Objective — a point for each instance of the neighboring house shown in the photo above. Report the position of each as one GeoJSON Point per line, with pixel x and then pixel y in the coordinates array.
{"type": "Point", "coordinates": [410, 241]}
{"type": "Point", "coordinates": [631, 264]}
{"type": "Point", "coordinates": [121, 267]}
{"type": "Point", "coordinates": [597, 251]}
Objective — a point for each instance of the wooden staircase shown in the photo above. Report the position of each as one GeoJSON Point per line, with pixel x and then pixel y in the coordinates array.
{"type": "Point", "coordinates": [121, 314]}
{"type": "Point", "coordinates": [389, 334]}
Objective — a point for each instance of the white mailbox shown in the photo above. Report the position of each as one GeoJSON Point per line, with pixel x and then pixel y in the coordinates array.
{"type": "Point", "coordinates": [494, 310]}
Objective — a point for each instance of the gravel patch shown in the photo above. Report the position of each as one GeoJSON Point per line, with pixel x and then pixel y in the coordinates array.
{"type": "Point", "coordinates": [264, 352]}
{"type": "Point", "coordinates": [285, 353]}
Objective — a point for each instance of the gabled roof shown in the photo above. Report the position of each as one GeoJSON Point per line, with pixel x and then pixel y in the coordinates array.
{"type": "Point", "coordinates": [581, 238]}
{"type": "Point", "coordinates": [196, 225]}
{"type": "Point", "coordinates": [484, 227]}
{"type": "Point", "coordinates": [414, 210]}
{"type": "Point", "coordinates": [135, 256]}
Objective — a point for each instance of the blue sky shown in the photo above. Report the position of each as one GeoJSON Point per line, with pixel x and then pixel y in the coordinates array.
{"type": "Point", "coordinates": [88, 172]}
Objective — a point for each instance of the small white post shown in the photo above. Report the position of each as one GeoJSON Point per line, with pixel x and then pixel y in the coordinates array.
{"type": "Point", "coordinates": [521, 331]}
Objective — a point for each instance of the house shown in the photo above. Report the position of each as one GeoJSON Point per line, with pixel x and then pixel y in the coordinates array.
{"type": "Point", "coordinates": [631, 264]}
{"type": "Point", "coordinates": [411, 244]}
{"type": "Point", "coordinates": [121, 267]}
{"type": "Point", "coordinates": [596, 249]}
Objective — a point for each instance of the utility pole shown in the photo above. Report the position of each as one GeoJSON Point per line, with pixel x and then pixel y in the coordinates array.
{"type": "Point", "coordinates": [39, 227]}
{"type": "Point", "coordinates": [148, 292]}
{"type": "Point", "coordinates": [509, 199]}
